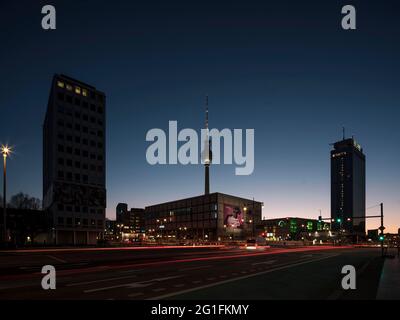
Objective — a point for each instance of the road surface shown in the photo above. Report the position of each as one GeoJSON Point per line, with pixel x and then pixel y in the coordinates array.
{"type": "Point", "coordinates": [191, 273]}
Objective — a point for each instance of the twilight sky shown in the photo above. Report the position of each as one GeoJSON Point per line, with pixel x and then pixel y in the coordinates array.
{"type": "Point", "coordinates": [284, 68]}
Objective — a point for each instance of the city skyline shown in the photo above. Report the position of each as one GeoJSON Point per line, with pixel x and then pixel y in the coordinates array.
{"type": "Point", "coordinates": [150, 80]}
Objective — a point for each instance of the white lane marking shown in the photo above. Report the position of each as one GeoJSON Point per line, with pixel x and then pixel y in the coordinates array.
{"type": "Point", "coordinates": [57, 259]}
{"type": "Point", "coordinates": [97, 281]}
{"type": "Point", "coordinates": [128, 285]}
{"type": "Point", "coordinates": [241, 278]}
{"type": "Point", "coordinates": [264, 262]}
{"type": "Point", "coordinates": [306, 256]}
{"type": "Point", "coordinates": [194, 268]}
{"type": "Point", "coordinates": [141, 284]}
{"type": "Point", "coordinates": [196, 281]}
{"type": "Point", "coordinates": [179, 285]}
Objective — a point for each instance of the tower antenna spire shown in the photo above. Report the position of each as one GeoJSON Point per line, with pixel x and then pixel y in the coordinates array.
{"type": "Point", "coordinates": [207, 111]}
{"type": "Point", "coordinates": [344, 133]}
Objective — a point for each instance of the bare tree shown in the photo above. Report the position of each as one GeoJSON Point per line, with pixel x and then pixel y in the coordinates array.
{"type": "Point", "coordinates": [24, 201]}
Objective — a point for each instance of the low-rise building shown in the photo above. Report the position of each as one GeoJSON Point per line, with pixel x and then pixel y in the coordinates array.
{"type": "Point", "coordinates": [26, 227]}
{"type": "Point", "coordinates": [209, 217]}
{"type": "Point", "coordinates": [292, 228]}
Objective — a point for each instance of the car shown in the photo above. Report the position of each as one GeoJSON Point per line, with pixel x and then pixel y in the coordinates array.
{"type": "Point", "coordinates": [251, 244]}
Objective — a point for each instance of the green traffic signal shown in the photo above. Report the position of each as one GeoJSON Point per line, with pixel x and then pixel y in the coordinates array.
{"type": "Point", "coordinates": [339, 220]}
{"type": "Point", "coordinates": [381, 238]}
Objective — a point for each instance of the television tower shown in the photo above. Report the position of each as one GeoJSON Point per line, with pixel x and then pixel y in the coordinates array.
{"type": "Point", "coordinates": [207, 155]}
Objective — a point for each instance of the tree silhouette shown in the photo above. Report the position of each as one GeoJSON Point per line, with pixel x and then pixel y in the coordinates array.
{"type": "Point", "coordinates": [24, 201]}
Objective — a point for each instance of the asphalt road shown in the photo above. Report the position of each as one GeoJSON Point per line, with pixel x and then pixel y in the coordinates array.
{"type": "Point", "coordinates": [191, 273]}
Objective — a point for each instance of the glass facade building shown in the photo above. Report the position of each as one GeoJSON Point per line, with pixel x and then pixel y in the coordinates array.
{"type": "Point", "coordinates": [348, 187]}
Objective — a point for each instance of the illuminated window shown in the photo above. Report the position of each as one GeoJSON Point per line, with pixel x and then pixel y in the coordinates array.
{"type": "Point", "coordinates": [69, 87]}
{"type": "Point", "coordinates": [60, 84]}
{"type": "Point", "coordinates": [293, 226]}
{"type": "Point", "coordinates": [77, 90]}
{"type": "Point", "coordinates": [84, 92]}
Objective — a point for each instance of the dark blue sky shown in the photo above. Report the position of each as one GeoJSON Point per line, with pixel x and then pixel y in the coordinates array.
{"type": "Point", "coordinates": [284, 68]}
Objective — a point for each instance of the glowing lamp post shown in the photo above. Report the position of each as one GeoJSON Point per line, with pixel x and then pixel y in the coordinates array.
{"type": "Point", "coordinates": [5, 151]}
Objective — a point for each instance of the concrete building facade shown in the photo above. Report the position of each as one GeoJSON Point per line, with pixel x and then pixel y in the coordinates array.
{"type": "Point", "coordinates": [74, 153]}
{"type": "Point", "coordinates": [209, 217]}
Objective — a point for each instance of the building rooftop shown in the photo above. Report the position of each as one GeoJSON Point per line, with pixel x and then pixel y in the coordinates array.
{"type": "Point", "coordinates": [351, 142]}
{"type": "Point", "coordinates": [75, 80]}
{"type": "Point", "coordinates": [202, 195]}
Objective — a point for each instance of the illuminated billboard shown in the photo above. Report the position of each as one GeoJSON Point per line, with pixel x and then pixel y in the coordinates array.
{"type": "Point", "coordinates": [233, 216]}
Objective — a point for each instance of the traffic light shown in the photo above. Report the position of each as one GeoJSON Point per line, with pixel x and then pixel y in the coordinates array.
{"type": "Point", "coordinates": [320, 218]}
{"type": "Point", "coordinates": [338, 220]}
{"type": "Point", "coordinates": [381, 237]}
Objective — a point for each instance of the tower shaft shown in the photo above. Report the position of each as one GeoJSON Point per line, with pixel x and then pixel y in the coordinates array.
{"type": "Point", "coordinates": [207, 179]}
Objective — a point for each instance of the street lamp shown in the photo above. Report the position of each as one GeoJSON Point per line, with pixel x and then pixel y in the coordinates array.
{"type": "Point", "coordinates": [5, 150]}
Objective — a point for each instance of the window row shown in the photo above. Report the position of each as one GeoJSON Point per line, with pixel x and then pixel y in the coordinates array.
{"type": "Point", "coordinates": [69, 99]}
{"type": "Point", "coordinates": [78, 127]}
{"type": "Point", "coordinates": [194, 217]}
{"type": "Point", "coordinates": [183, 207]}
{"type": "Point", "coordinates": [79, 90]}
{"type": "Point", "coordinates": [79, 222]}
{"type": "Point", "coordinates": [78, 139]}
{"type": "Point", "coordinates": [78, 115]}
{"type": "Point", "coordinates": [79, 165]}
{"type": "Point", "coordinates": [183, 226]}
{"type": "Point", "coordinates": [79, 152]}
{"type": "Point", "coordinates": [77, 177]}
{"type": "Point", "coordinates": [78, 209]}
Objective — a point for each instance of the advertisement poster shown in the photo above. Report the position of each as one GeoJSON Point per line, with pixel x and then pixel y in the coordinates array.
{"type": "Point", "coordinates": [233, 216]}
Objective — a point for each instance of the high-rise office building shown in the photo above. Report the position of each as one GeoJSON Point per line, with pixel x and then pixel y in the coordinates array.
{"type": "Point", "coordinates": [74, 161]}
{"type": "Point", "coordinates": [137, 220]}
{"type": "Point", "coordinates": [121, 212]}
{"type": "Point", "coordinates": [348, 187]}
{"type": "Point", "coordinates": [131, 220]}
